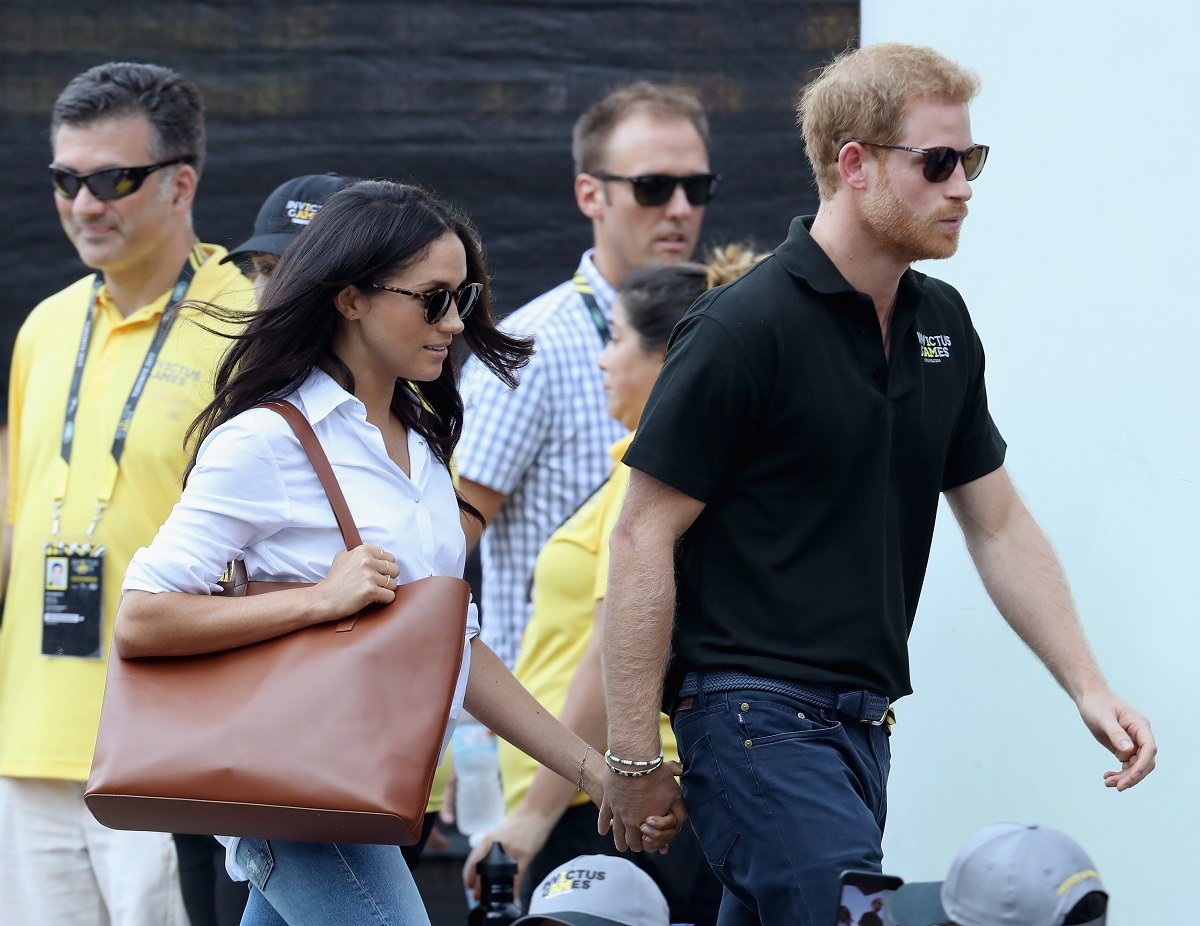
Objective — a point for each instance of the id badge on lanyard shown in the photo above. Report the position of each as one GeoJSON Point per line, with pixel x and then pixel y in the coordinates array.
{"type": "Point", "coordinates": [73, 581]}
{"type": "Point", "coordinates": [72, 602]}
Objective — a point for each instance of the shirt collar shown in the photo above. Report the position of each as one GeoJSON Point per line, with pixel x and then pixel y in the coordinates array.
{"type": "Point", "coordinates": [320, 394]}
{"type": "Point", "coordinates": [200, 257]}
{"type": "Point", "coordinates": [603, 290]}
{"type": "Point", "coordinates": [803, 258]}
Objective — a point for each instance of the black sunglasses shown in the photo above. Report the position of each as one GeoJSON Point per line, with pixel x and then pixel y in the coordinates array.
{"type": "Point", "coordinates": [113, 183]}
{"type": "Point", "coordinates": [437, 301]}
{"type": "Point", "coordinates": [657, 189]}
{"type": "Point", "coordinates": [940, 162]}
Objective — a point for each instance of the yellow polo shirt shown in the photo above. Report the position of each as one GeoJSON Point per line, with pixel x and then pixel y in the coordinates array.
{"type": "Point", "coordinates": [570, 576]}
{"type": "Point", "coordinates": [50, 706]}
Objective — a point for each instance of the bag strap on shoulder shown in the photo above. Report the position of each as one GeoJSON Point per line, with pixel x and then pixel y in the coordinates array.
{"type": "Point", "coordinates": [320, 463]}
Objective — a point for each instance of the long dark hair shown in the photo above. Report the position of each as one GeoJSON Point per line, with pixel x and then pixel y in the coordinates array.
{"type": "Point", "coordinates": [363, 234]}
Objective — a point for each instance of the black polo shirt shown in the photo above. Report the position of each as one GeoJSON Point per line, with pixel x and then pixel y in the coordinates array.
{"type": "Point", "coordinates": [820, 464]}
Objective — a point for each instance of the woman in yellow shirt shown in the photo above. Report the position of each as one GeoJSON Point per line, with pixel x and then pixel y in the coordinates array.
{"type": "Point", "coordinates": [549, 822]}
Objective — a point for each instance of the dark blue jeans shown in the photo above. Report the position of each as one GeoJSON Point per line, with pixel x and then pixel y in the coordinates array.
{"type": "Point", "coordinates": [784, 797]}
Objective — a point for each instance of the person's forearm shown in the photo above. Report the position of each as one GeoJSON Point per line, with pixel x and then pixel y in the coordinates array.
{"type": "Point", "coordinates": [638, 620]}
{"type": "Point", "coordinates": [179, 624]}
{"type": "Point", "coordinates": [1026, 582]}
{"type": "Point", "coordinates": [496, 699]}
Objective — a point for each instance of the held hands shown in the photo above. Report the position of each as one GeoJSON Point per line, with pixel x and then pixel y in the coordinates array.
{"type": "Point", "coordinates": [644, 813]}
{"type": "Point", "coordinates": [359, 577]}
{"type": "Point", "coordinates": [1123, 732]}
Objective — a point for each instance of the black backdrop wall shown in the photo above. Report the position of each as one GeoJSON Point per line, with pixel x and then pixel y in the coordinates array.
{"type": "Point", "coordinates": [473, 98]}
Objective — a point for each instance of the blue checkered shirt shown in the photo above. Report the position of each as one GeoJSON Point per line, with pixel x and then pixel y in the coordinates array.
{"type": "Point", "coordinates": [544, 445]}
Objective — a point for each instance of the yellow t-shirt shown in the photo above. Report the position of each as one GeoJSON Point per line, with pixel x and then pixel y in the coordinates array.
{"type": "Point", "coordinates": [50, 706]}
{"type": "Point", "coordinates": [570, 576]}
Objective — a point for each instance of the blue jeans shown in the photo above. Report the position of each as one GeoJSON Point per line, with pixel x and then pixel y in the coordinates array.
{"type": "Point", "coordinates": [784, 797]}
{"type": "Point", "coordinates": [298, 883]}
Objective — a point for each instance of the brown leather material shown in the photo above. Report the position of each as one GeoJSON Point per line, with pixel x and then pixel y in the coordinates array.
{"type": "Point", "coordinates": [331, 733]}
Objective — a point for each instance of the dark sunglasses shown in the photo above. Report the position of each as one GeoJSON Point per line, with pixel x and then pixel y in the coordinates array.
{"type": "Point", "coordinates": [114, 183]}
{"type": "Point", "coordinates": [940, 162]}
{"type": "Point", "coordinates": [657, 189]}
{"type": "Point", "coordinates": [437, 301]}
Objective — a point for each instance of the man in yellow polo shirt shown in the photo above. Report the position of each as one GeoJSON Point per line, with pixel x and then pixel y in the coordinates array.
{"type": "Point", "coordinates": [105, 380]}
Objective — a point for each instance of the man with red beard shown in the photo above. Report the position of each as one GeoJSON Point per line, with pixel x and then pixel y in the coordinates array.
{"type": "Point", "coordinates": [770, 553]}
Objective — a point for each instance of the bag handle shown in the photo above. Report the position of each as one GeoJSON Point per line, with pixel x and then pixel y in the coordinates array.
{"type": "Point", "coordinates": [320, 463]}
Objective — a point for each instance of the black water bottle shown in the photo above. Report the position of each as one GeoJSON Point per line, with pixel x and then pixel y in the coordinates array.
{"type": "Point", "coordinates": [497, 872]}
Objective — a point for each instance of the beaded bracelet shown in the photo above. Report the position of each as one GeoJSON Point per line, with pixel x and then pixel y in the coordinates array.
{"type": "Point", "coordinates": [609, 758]}
{"type": "Point", "coordinates": [624, 774]}
{"type": "Point", "coordinates": [643, 768]}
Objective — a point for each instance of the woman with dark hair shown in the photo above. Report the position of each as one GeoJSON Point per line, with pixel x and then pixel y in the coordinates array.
{"type": "Point", "coordinates": [559, 661]}
{"type": "Point", "coordinates": [355, 329]}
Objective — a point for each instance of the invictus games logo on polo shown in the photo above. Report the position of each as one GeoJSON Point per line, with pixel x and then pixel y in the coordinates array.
{"type": "Point", "coordinates": [934, 347]}
{"type": "Point", "coordinates": [573, 879]}
{"type": "Point", "coordinates": [300, 212]}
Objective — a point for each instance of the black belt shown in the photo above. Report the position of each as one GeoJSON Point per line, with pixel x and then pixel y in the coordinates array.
{"type": "Point", "coordinates": [864, 706]}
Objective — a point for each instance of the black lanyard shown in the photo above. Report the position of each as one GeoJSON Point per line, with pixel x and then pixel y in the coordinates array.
{"type": "Point", "coordinates": [165, 322]}
{"type": "Point", "coordinates": [584, 288]}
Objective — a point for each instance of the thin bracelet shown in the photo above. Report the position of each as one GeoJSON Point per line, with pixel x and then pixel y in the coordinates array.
{"type": "Point", "coordinates": [579, 784]}
{"type": "Point", "coordinates": [633, 763]}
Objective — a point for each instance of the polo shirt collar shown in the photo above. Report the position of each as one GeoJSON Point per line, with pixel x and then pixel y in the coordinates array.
{"type": "Point", "coordinates": [601, 288]}
{"type": "Point", "coordinates": [202, 255]}
{"type": "Point", "coordinates": [803, 258]}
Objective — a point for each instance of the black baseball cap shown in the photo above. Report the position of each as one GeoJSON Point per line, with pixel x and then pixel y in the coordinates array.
{"type": "Point", "coordinates": [288, 209]}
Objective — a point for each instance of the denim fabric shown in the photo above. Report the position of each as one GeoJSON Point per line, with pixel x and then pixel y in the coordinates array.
{"type": "Point", "coordinates": [784, 797]}
{"type": "Point", "coordinates": [302, 883]}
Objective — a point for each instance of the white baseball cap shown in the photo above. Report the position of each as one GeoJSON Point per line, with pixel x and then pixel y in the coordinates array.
{"type": "Point", "coordinates": [598, 890]}
{"type": "Point", "coordinates": [1007, 874]}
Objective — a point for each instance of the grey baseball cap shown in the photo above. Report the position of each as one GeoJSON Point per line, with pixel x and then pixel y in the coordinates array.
{"type": "Point", "coordinates": [1006, 874]}
{"type": "Point", "coordinates": [598, 890]}
{"type": "Point", "coordinates": [290, 207]}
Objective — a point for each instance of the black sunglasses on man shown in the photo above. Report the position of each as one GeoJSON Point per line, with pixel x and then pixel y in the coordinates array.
{"type": "Point", "coordinates": [657, 189]}
{"type": "Point", "coordinates": [110, 183]}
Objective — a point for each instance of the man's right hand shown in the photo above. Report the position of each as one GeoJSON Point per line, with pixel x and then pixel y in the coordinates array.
{"type": "Point", "coordinates": [631, 803]}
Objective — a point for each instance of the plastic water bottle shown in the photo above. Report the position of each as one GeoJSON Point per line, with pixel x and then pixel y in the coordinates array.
{"type": "Point", "coordinates": [497, 872]}
{"type": "Point", "coordinates": [479, 798]}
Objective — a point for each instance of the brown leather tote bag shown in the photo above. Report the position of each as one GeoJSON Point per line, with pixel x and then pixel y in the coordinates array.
{"type": "Point", "coordinates": [327, 734]}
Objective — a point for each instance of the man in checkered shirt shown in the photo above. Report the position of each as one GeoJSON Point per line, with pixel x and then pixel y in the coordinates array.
{"type": "Point", "coordinates": [530, 456]}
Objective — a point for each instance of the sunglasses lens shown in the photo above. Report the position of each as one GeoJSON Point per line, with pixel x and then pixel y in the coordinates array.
{"type": "Point", "coordinates": [940, 164]}
{"type": "Point", "coordinates": [699, 188]}
{"type": "Point", "coordinates": [436, 304]}
{"type": "Point", "coordinates": [65, 185]}
{"type": "Point", "coordinates": [467, 297]}
{"type": "Point", "coordinates": [654, 189]}
{"type": "Point", "coordinates": [973, 160]}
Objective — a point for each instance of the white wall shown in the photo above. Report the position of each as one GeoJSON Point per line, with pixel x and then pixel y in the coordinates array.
{"type": "Point", "coordinates": [1076, 262]}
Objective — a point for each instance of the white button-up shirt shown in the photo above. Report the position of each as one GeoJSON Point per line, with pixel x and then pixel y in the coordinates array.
{"type": "Point", "coordinates": [254, 495]}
